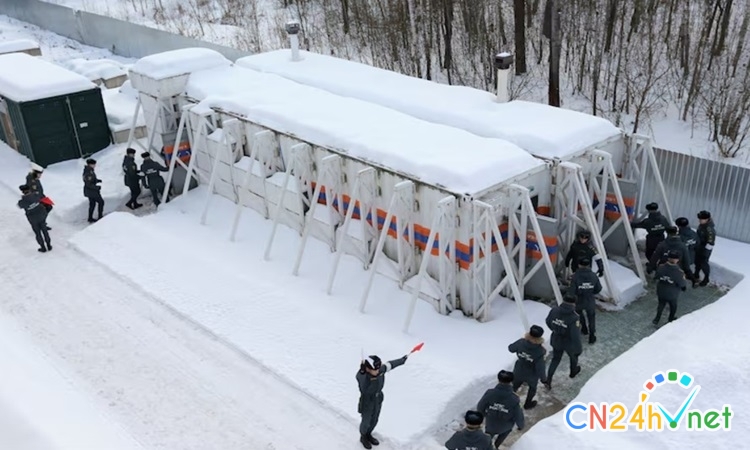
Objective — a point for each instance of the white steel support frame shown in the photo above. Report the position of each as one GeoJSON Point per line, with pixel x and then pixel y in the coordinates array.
{"type": "Point", "coordinates": [364, 193]}
{"type": "Point", "coordinates": [330, 177]}
{"type": "Point", "coordinates": [197, 142]}
{"type": "Point", "coordinates": [521, 205]}
{"type": "Point", "coordinates": [640, 158]}
{"type": "Point", "coordinates": [231, 145]}
{"type": "Point", "coordinates": [162, 112]}
{"type": "Point", "coordinates": [400, 209]}
{"type": "Point", "coordinates": [443, 229]}
{"type": "Point", "coordinates": [184, 124]}
{"type": "Point", "coordinates": [298, 170]}
{"type": "Point", "coordinates": [262, 141]}
{"type": "Point", "coordinates": [485, 228]}
{"type": "Point", "coordinates": [601, 162]}
{"type": "Point", "coordinates": [570, 196]}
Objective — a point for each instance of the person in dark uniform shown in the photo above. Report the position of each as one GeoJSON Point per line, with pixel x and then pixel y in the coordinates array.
{"type": "Point", "coordinates": [706, 240]}
{"type": "Point", "coordinates": [529, 366]}
{"type": "Point", "coordinates": [501, 408]}
{"type": "Point", "coordinates": [670, 281]}
{"type": "Point", "coordinates": [92, 190]}
{"type": "Point", "coordinates": [673, 243]}
{"type": "Point", "coordinates": [37, 216]}
{"type": "Point", "coordinates": [566, 337]}
{"type": "Point", "coordinates": [34, 182]}
{"type": "Point", "coordinates": [655, 225]}
{"type": "Point", "coordinates": [689, 237]}
{"type": "Point", "coordinates": [585, 285]}
{"type": "Point", "coordinates": [472, 437]}
{"type": "Point", "coordinates": [154, 181]}
{"type": "Point", "coordinates": [132, 179]}
{"type": "Point", "coordinates": [583, 248]}
{"type": "Point", "coordinates": [371, 378]}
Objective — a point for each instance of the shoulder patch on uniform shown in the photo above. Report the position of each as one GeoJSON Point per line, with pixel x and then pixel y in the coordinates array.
{"type": "Point", "coordinates": [578, 323]}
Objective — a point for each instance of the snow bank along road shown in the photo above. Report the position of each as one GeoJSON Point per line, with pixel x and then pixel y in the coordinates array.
{"type": "Point", "coordinates": [170, 385]}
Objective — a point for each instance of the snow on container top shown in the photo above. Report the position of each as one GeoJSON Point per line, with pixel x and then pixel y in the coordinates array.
{"type": "Point", "coordinates": [24, 78]}
{"type": "Point", "coordinates": [165, 74]}
{"type": "Point", "coordinates": [542, 130]}
{"type": "Point", "coordinates": [101, 69]}
{"type": "Point", "coordinates": [453, 159]}
{"type": "Point", "coordinates": [18, 45]}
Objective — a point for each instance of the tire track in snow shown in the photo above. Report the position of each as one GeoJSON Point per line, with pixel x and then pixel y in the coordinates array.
{"type": "Point", "coordinates": [169, 384]}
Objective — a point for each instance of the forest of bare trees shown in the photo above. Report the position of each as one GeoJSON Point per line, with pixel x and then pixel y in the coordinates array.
{"type": "Point", "coordinates": [632, 60]}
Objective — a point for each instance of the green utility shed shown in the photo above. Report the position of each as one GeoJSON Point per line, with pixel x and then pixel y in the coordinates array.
{"type": "Point", "coordinates": [49, 113]}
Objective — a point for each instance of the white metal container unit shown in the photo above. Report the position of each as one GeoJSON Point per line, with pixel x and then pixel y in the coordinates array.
{"type": "Point", "coordinates": [398, 166]}
{"type": "Point", "coordinates": [553, 134]}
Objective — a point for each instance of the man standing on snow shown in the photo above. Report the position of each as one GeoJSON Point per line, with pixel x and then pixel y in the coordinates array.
{"type": "Point", "coordinates": [655, 224]}
{"type": "Point", "coordinates": [706, 240]}
{"type": "Point", "coordinates": [670, 281]}
{"type": "Point", "coordinates": [472, 437]}
{"type": "Point", "coordinates": [154, 181]}
{"type": "Point", "coordinates": [566, 337]}
{"type": "Point", "coordinates": [689, 237]}
{"type": "Point", "coordinates": [583, 248]}
{"type": "Point", "coordinates": [529, 366]}
{"type": "Point", "coordinates": [92, 190]}
{"type": "Point", "coordinates": [585, 285]}
{"type": "Point", "coordinates": [132, 179]}
{"type": "Point", "coordinates": [502, 408]}
{"type": "Point", "coordinates": [37, 217]}
{"type": "Point", "coordinates": [34, 182]}
{"type": "Point", "coordinates": [673, 243]}
{"type": "Point", "coordinates": [371, 379]}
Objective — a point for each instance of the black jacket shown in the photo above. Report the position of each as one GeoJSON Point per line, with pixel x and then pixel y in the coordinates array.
{"type": "Point", "coordinates": [672, 243]}
{"type": "Point", "coordinates": [130, 168]}
{"type": "Point", "coordinates": [585, 285]}
{"type": "Point", "coordinates": [501, 408]}
{"type": "Point", "coordinates": [31, 205]}
{"type": "Point", "coordinates": [578, 251]}
{"type": "Point", "coordinates": [690, 239]}
{"type": "Point", "coordinates": [90, 182]}
{"type": "Point", "coordinates": [371, 388]}
{"type": "Point", "coordinates": [530, 362]}
{"type": "Point", "coordinates": [34, 183]}
{"type": "Point", "coordinates": [565, 326]}
{"type": "Point", "coordinates": [151, 169]}
{"type": "Point", "coordinates": [467, 439]}
{"type": "Point", "coordinates": [655, 224]}
{"type": "Point", "coordinates": [706, 238]}
{"type": "Point", "coordinates": [670, 280]}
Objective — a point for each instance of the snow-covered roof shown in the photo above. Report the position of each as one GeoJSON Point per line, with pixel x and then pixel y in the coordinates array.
{"type": "Point", "coordinates": [540, 129]}
{"type": "Point", "coordinates": [18, 45]}
{"type": "Point", "coordinates": [455, 159]}
{"type": "Point", "coordinates": [97, 69]}
{"type": "Point", "coordinates": [179, 62]}
{"type": "Point", "coordinates": [25, 78]}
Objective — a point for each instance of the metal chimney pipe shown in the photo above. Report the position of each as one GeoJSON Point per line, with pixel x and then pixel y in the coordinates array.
{"type": "Point", "coordinates": [503, 61]}
{"type": "Point", "coordinates": [293, 29]}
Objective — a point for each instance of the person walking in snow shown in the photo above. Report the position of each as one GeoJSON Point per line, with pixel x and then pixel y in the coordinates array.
{"type": "Point", "coordinates": [566, 337]}
{"type": "Point", "coordinates": [36, 214]}
{"type": "Point", "coordinates": [583, 248]}
{"type": "Point", "coordinates": [655, 225]}
{"type": "Point", "coordinates": [706, 240]}
{"type": "Point", "coordinates": [529, 366]}
{"type": "Point", "coordinates": [34, 182]}
{"type": "Point", "coordinates": [501, 408]}
{"type": "Point", "coordinates": [371, 379]}
{"type": "Point", "coordinates": [689, 237]}
{"type": "Point", "coordinates": [472, 437]}
{"type": "Point", "coordinates": [585, 285]}
{"type": "Point", "coordinates": [673, 243]}
{"type": "Point", "coordinates": [92, 190]}
{"type": "Point", "coordinates": [670, 281]}
{"type": "Point", "coordinates": [154, 181]}
{"type": "Point", "coordinates": [132, 178]}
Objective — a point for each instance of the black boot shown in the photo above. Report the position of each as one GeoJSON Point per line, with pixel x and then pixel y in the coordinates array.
{"type": "Point", "coordinates": [365, 442]}
{"type": "Point", "coordinates": [575, 372]}
{"type": "Point", "coordinates": [704, 282]}
{"type": "Point", "coordinates": [92, 220]}
{"type": "Point", "coordinates": [372, 439]}
{"type": "Point", "coordinates": [49, 246]}
{"type": "Point", "coordinates": [584, 330]}
{"type": "Point", "coordinates": [548, 383]}
{"type": "Point", "coordinates": [592, 338]}
{"type": "Point", "coordinates": [41, 250]}
{"type": "Point", "coordinates": [529, 405]}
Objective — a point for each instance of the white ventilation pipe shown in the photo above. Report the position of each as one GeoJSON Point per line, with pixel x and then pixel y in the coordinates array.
{"type": "Point", "coordinates": [293, 29]}
{"type": "Point", "coordinates": [503, 61]}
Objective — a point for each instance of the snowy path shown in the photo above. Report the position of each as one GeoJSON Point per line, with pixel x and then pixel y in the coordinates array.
{"type": "Point", "coordinates": [169, 384]}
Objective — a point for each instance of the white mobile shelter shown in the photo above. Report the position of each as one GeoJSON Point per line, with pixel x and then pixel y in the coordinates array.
{"type": "Point", "coordinates": [554, 134]}
{"type": "Point", "coordinates": [385, 184]}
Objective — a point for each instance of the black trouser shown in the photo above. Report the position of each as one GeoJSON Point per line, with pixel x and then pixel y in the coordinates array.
{"type": "Point", "coordinates": [370, 411]}
{"type": "Point", "coordinates": [652, 240]}
{"type": "Point", "coordinates": [500, 438]}
{"type": "Point", "coordinates": [556, 358]}
{"type": "Point", "coordinates": [532, 382]}
{"type": "Point", "coordinates": [591, 315]}
{"type": "Point", "coordinates": [40, 232]}
{"type": "Point", "coordinates": [135, 191]}
{"type": "Point", "coordinates": [157, 189]}
{"type": "Point", "coordinates": [672, 309]}
{"type": "Point", "coordinates": [701, 264]}
{"type": "Point", "coordinates": [96, 200]}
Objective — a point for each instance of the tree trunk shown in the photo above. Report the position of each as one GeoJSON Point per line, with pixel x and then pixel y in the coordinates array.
{"type": "Point", "coordinates": [741, 41]}
{"type": "Point", "coordinates": [345, 15]}
{"type": "Point", "coordinates": [519, 15]}
{"type": "Point", "coordinates": [554, 60]}
{"type": "Point", "coordinates": [725, 16]}
{"type": "Point", "coordinates": [611, 17]}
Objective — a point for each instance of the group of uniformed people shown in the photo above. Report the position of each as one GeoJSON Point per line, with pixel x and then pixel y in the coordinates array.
{"type": "Point", "coordinates": [149, 175]}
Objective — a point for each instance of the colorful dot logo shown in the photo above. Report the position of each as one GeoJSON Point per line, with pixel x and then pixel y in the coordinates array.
{"type": "Point", "coordinates": [671, 377]}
